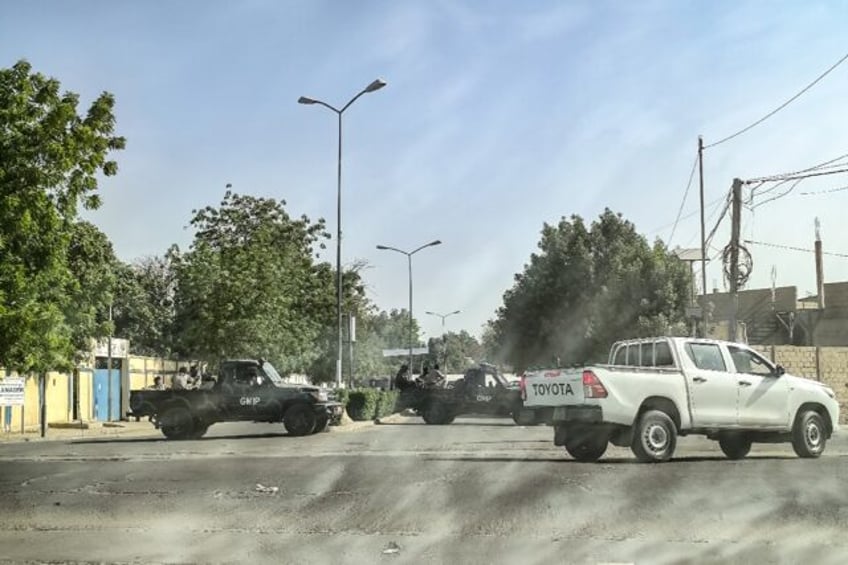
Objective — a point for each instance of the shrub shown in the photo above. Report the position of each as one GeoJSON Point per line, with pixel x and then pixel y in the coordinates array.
{"type": "Point", "coordinates": [387, 404]}
{"type": "Point", "coordinates": [362, 404]}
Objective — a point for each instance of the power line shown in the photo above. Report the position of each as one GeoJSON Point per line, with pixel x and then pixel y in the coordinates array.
{"type": "Point", "coordinates": [682, 202]}
{"type": "Point", "coordinates": [782, 106]}
{"type": "Point", "coordinates": [794, 176]}
{"type": "Point", "coordinates": [828, 191]}
{"type": "Point", "coordinates": [685, 216]}
{"type": "Point", "coordinates": [720, 219]}
{"type": "Point", "coordinates": [792, 248]}
{"type": "Point", "coordinates": [715, 206]}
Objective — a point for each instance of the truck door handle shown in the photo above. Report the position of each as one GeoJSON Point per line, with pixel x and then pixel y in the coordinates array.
{"type": "Point", "coordinates": [744, 383]}
{"type": "Point", "coordinates": [699, 379]}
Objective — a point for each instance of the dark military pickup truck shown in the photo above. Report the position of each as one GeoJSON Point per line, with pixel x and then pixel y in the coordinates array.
{"type": "Point", "coordinates": [482, 390]}
{"type": "Point", "coordinates": [245, 390]}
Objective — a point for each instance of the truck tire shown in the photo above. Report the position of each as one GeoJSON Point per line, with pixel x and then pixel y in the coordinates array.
{"type": "Point", "coordinates": [523, 420]}
{"type": "Point", "coordinates": [809, 435]}
{"type": "Point", "coordinates": [437, 414]}
{"type": "Point", "coordinates": [322, 424]}
{"type": "Point", "coordinates": [654, 437]}
{"type": "Point", "coordinates": [734, 446]}
{"type": "Point", "coordinates": [200, 429]}
{"type": "Point", "coordinates": [584, 445]}
{"type": "Point", "coordinates": [177, 423]}
{"type": "Point", "coordinates": [299, 420]}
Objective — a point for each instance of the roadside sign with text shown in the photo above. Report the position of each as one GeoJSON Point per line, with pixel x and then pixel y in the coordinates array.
{"type": "Point", "coordinates": [12, 391]}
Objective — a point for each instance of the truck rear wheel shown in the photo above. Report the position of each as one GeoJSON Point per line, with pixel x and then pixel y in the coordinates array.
{"type": "Point", "coordinates": [299, 420]}
{"type": "Point", "coordinates": [584, 445]}
{"type": "Point", "coordinates": [437, 414]}
{"type": "Point", "coordinates": [176, 423]}
{"type": "Point", "coordinates": [734, 446]}
{"type": "Point", "coordinates": [809, 435]}
{"type": "Point", "coordinates": [654, 437]}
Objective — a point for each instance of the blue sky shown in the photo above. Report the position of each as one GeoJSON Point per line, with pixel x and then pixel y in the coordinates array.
{"type": "Point", "coordinates": [497, 117]}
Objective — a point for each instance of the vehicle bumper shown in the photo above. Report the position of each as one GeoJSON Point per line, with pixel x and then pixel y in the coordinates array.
{"type": "Point", "coordinates": [331, 410]}
{"type": "Point", "coordinates": [584, 414]}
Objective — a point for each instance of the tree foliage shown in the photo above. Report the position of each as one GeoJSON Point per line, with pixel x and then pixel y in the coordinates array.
{"type": "Point", "coordinates": [50, 159]}
{"type": "Point", "coordinates": [249, 284]}
{"type": "Point", "coordinates": [143, 310]}
{"type": "Point", "coordinates": [455, 352]}
{"type": "Point", "coordinates": [587, 287]}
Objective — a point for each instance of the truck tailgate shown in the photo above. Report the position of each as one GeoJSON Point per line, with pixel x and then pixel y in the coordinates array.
{"type": "Point", "coordinates": [553, 388]}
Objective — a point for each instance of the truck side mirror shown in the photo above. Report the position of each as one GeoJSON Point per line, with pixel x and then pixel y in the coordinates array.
{"type": "Point", "coordinates": [779, 371]}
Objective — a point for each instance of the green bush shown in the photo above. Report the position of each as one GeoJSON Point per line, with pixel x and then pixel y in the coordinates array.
{"type": "Point", "coordinates": [367, 403]}
{"type": "Point", "coordinates": [387, 404]}
{"type": "Point", "coordinates": [342, 395]}
{"type": "Point", "coordinates": [362, 404]}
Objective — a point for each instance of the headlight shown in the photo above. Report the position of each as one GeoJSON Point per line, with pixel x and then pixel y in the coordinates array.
{"type": "Point", "coordinates": [321, 396]}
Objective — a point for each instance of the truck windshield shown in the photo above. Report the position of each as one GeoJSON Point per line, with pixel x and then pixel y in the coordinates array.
{"type": "Point", "coordinates": [272, 373]}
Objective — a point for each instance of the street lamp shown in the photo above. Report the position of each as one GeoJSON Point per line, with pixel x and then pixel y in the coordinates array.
{"type": "Point", "coordinates": [409, 255]}
{"type": "Point", "coordinates": [374, 86]}
{"type": "Point", "coordinates": [443, 317]}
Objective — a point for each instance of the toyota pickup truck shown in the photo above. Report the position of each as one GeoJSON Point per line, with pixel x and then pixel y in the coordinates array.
{"type": "Point", "coordinates": [654, 390]}
{"type": "Point", "coordinates": [245, 390]}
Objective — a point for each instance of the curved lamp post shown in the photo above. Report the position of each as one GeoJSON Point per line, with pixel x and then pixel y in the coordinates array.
{"type": "Point", "coordinates": [409, 255]}
{"type": "Point", "coordinates": [374, 86]}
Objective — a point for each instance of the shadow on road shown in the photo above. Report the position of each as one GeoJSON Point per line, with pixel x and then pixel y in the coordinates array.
{"type": "Point", "coordinates": [605, 461]}
{"type": "Point", "coordinates": [162, 439]}
{"type": "Point", "coordinates": [476, 424]}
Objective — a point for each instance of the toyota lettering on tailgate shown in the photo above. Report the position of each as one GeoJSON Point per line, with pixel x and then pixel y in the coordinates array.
{"type": "Point", "coordinates": [553, 389]}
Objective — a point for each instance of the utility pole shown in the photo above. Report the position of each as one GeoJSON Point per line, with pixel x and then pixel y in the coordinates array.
{"type": "Point", "coordinates": [819, 267]}
{"type": "Point", "coordinates": [703, 234]}
{"type": "Point", "coordinates": [734, 257]}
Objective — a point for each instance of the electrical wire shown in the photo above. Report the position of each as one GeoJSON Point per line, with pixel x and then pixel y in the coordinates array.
{"type": "Point", "coordinates": [782, 106]}
{"type": "Point", "coordinates": [683, 202]}
{"type": "Point", "coordinates": [792, 248]}
{"type": "Point", "coordinates": [827, 191]}
{"type": "Point", "coordinates": [796, 176]}
{"type": "Point", "coordinates": [686, 216]}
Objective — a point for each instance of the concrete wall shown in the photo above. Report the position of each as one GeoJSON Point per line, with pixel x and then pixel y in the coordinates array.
{"type": "Point", "coordinates": [59, 392]}
{"type": "Point", "coordinates": [825, 364]}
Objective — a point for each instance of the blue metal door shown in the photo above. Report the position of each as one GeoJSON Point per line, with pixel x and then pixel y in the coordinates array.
{"type": "Point", "coordinates": [102, 393]}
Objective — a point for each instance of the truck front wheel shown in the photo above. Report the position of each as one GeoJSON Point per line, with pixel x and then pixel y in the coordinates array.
{"type": "Point", "coordinates": [299, 420]}
{"type": "Point", "coordinates": [654, 437]}
{"type": "Point", "coordinates": [177, 423]}
{"type": "Point", "coordinates": [809, 435]}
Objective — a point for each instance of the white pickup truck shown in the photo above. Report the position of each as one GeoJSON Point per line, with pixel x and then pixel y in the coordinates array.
{"type": "Point", "coordinates": [654, 390]}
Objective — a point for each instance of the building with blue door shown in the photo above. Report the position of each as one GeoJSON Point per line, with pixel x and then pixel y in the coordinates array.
{"type": "Point", "coordinates": [110, 380]}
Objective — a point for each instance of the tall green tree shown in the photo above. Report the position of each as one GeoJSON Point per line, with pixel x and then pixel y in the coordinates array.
{"type": "Point", "coordinates": [93, 267]}
{"type": "Point", "coordinates": [455, 352]}
{"type": "Point", "coordinates": [143, 308]}
{"type": "Point", "coordinates": [249, 284]}
{"type": "Point", "coordinates": [50, 161]}
{"type": "Point", "coordinates": [587, 287]}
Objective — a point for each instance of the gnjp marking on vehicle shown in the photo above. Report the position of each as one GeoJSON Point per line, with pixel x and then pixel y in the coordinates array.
{"type": "Point", "coordinates": [553, 389]}
{"type": "Point", "coordinates": [249, 400]}
{"type": "Point", "coordinates": [483, 398]}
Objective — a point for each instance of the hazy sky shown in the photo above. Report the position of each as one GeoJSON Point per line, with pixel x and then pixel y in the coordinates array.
{"type": "Point", "coordinates": [497, 117]}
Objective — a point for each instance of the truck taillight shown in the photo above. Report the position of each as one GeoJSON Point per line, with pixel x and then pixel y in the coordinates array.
{"type": "Point", "coordinates": [522, 386]}
{"type": "Point", "coordinates": [592, 386]}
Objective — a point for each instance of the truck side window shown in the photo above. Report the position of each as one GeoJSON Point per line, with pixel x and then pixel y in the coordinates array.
{"type": "Point", "coordinates": [647, 354]}
{"type": "Point", "coordinates": [748, 362]}
{"type": "Point", "coordinates": [620, 355]}
{"type": "Point", "coordinates": [633, 355]}
{"type": "Point", "coordinates": [662, 355]}
{"type": "Point", "coordinates": [706, 356]}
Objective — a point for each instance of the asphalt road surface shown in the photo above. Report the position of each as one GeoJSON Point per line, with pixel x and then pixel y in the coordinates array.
{"type": "Point", "coordinates": [477, 491]}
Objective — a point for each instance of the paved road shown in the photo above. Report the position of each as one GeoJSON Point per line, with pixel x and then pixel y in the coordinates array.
{"type": "Point", "coordinates": [478, 491]}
